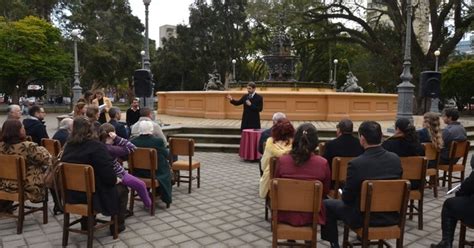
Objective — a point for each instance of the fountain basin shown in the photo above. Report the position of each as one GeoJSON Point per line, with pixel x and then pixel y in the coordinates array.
{"type": "Point", "coordinates": [297, 105]}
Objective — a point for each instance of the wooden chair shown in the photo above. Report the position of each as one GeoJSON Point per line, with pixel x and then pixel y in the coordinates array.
{"type": "Point", "coordinates": [458, 149]}
{"type": "Point", "coordinates": [145, 159]}
{"type": "Point", "coordinates": [381, 196]}
{"type": "Point", "coordinates": [13, 168]}
{"type": "Point", "coordinates": [338, 174]}
{"type": "Point", "coordinates": [462, 236]}
{"type": "Point", "coordinates": [300, 196]}
{"type": "Point", "coordinates": [184, 147]}
{"type": "Point", "coordinates": [53, 146]}
{"type": "Point", "coordinates": [432, 154]}
{"type": "Point", "coordinates": [80, 178]}
{"type": "Point", "coordinates": [273, 165]}
{"type": "Point", "coordinates": [414, 168]}
{"type": "Point", "coordinates": [321, 148]}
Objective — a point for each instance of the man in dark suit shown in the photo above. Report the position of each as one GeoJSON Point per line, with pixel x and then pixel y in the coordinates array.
{"type": "Point", "coordinates": [34, 124]}
{"type": "Point", "coordinates": [457, 208]}
{"type": "Point", "coordinates": [253, 105]}
{"type": "Point", "coordinates": [120, 128]}
{"type": "Point", "coordinates": [345, 145]}
{"type": "Point", "coordinates": [374, 163]}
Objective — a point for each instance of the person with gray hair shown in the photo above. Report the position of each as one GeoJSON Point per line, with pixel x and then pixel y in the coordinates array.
{"type": "Point", "coordinates": [120, 129]}
{"type": "Point", "coordinates": [14, 112]}
{"type": "Point", "coordinates": [267, 133]}
{"type": "Point", "coordinates": [146, 114]}
{"type": "Point", "coordinates": [65, 128]}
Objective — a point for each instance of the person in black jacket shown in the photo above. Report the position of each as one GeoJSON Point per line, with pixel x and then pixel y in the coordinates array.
{"type": "Point", "coordinates": [110, 195]}
{"type": "Point", "coordinates": [133, 113]}
{"type": "Point", "coordinates": [120, 128]}
{"type": "Point", "coordinates": [405, 141]}
{"type": "Point", "coordinates": [345, 145]}
{"type": "Point", "coordinates": [457, 208]}
{"type": "Point", "coordinates": [65, 128]}
{"type": "Point", "coordinates": [374, 163]}
{"type": "Point", "coordinates": [253, 105]}
{"type": "Point", "coordinates": [34, 124]}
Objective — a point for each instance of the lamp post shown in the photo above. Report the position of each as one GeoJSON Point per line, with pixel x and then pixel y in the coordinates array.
{"type": "Point", "coordinates": [233, 70]}
{"type": "Point", "coordinates": [405, 88]}
{"type": "Point", "coordinates": [142, 53]}
{"type": "Point", "coordinates": [76, 89]}
{"type": "Point", "coordinates": [334, 81]}
{"type": "Point", "coordinates": [146, 60]}
{"type": "Point", "coordinates": [436, 54]}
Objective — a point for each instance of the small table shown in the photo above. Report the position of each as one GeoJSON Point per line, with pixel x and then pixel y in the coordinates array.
{"type": "Point", "coordinates": [249, 144]}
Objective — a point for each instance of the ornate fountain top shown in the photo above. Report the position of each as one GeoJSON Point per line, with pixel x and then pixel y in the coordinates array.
{"type": "Point", "coordinates": [281, 42]}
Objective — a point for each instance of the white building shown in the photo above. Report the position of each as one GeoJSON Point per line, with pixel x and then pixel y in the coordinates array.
{"type": "Point", "coordinates": [166, 32]}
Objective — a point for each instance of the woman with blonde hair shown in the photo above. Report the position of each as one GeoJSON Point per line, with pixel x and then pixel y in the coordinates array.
{"type": "Point", "coordinates": [431, 133]}
{"type": "Point", "coordinates": [277, 145]}
{"type": "Point", "coordinates": [80, 109]}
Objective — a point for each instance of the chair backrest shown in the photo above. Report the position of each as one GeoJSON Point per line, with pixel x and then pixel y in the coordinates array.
{"type": "Point", "coordinates": [321, 148]}
{"type": "Point", "coordinates": [339, 168]}
{"type": "Point", "coordinates": [384, 196]}
{"type": "Point", "coordinates": [273, 166]}
{"type": "Point", "coordinates": [181, 146]}
{"type": "Point", "coordinates": [77, 177]}
{"type": "Point", "coordinates": [13, 167]}
{"type": "Point", "coordinates": [459, 149]}
{"type": "Point", "coordinates": [296, 195]}
{"type": "Point", "coordinates": [53, 146]}
{"type": "Point", "coordinates": [143, 158]}
{"type": "Point", "coordinates": [414, 168]}
{"type": "Point", "coordinates": [431, 153]}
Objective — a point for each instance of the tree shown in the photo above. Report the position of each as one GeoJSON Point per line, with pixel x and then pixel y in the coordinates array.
{"type": "Point", "coordinates": [458, 82]}
{"type": "Point", "coordinates": [30, 51]}
{"type": "Point", "coordinates": [18, 9]}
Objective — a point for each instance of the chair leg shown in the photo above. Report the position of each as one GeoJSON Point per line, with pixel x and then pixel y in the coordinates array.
{"type": "Point", "coordinates": [90, 230]}
{"type": "Point", "coordinates": [420, 214]}
{"type": "Point", "coordinates": [266, 209]}
{"type": "Point", "coordinates": [199, 177]}
{"type": "Point", "coordinates": [132, 201]}
{"type": "Point", "coordinates": [435, 185]}
{"type": "Point", "coordinates": [179, 176]}
{"type": "Point", "coordinates": [153, 201]}
{"type": "Point", "coordinates": [462, 236]}
{"type": "Point", "coordinates": [21, 217]}
{"type": "Point", "coordinates": [380, 244]}
{"type": "Point", "coordinates": [444, 179]}
{"type": "Point", "coordinates": [450, 180]}
{"type": "Point", "coordinates": [116, 226]}
{"type": "Point", "coordinates": [45, 209]}
{"type": "Point", "coordinates": [400, 243]}
{"type": "Point", "coordinates": [65, 228]}
{"type": "Point", "coordinates": [190, 180]}
{"type": "Point", "coordinates": [412, 205]}
{"type": "Point", "coordinates": [345, 239]}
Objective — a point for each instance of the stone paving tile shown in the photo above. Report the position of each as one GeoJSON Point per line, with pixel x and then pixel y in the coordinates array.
{"type": "Point", "coordinates": [224, 212]}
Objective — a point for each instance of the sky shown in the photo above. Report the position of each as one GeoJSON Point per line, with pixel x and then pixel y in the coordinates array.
{"type": "Point", "coordinates": [162, 12]}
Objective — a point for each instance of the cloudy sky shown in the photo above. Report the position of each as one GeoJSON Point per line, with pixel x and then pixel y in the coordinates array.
{"type": "Point", "coordinates": [162, 12]}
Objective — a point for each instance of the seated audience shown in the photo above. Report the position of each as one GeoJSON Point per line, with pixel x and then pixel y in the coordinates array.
{"type": "Point", "coordinates": [303, 164]}
{"type": "Point", "coordinates": [120, 128]}
{"type": "Point", "coordinates": [146, 114]}
{"type": "Point", "coordinates": [374, 163]}
{"type": "Point", "coordinates": [34, 124]}
{"type": "Point", "coordinates": [405, 141]}
{"type": "Point", "coordinates": [100, 100]}
{"type": "Point", "coordinates": [431, 133]}
{"type": "Point", "coordinates": [268, 132]}
{"type": "Point", "coordinates": [110, 196]}
{"type": "Point", "coordinates": [14, 112]}
{"type": "Point", "coordinates": [163, 175]}
{"type": "Point", "coordinates": [454, 131]}
{"type": "Point", "coordinates": [345, 145]}
{"type": "Point", "coordinates": [37, 158]}
{"type": "Point", "coordinates": [455, 209]}
{"type": "Point", "coordinates": [92, 115]}
{"type": "Point", "coordinates": [277, 145]}
{"type": "Point", "coordinates": [119, 148]}
{"type": "Point", "coordinates": [65, 128]}
{"type": "Point", "coordinates": [80, 108]}
{"type": "Point", "coordinates": [133, 113]}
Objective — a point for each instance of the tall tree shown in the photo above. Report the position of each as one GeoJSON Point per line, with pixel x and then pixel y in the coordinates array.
{"type": "Point", "coordinates": [18, 9]}
{"type": "Point", "coordinates": [30, 50]}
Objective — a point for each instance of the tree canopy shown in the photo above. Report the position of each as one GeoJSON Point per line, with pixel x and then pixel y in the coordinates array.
{"type": "Point", "coordinates": [457, 82]}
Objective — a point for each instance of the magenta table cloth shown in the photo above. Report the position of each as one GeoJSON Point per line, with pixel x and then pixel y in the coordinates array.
{"type": "Point", "coordinates": [249, 144]}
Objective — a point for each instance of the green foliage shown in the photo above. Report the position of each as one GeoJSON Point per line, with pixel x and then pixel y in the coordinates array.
{"type": "Point", "coordinates": [30, 50]}
{"type": "Point", "coordinates": [18, 9]}
{"type": "Point", "coordinates": [458, 82]}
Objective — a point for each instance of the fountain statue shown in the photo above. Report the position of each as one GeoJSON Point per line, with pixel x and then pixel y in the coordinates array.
{"type": "Point", "coordinates": [351, 84]}
{"type": "Point", "coordinates": [214, 82]}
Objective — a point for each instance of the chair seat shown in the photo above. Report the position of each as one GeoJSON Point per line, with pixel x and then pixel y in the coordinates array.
{"type": "Point", "coordinates": [80, 209]}
{"type": "Point", "coordinates": [376, 233]}
{"type": "Point", "coordinates": [415, 195]}
{"type": "Point", "coordinates": [431, 172]}
{"type": "Point", "coordinates": [9, 196]}
{"type": "Point", "coordinates": [456, 167]}
{"type": "Point", "coordinates": [285, 231]}
{"type": "Point", "coordinates": [184, 165]}
{"type": "Point", "coordinates": [148, 182]}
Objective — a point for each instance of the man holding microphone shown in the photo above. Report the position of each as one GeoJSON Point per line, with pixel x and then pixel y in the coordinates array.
{"type": "Point", "coordinates": [253, 105]}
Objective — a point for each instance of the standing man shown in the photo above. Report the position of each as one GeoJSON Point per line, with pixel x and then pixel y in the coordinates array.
{"type": "Point", "coordinates": [34, 124]}
{"type": "Point", "coordinates": [253, 105]}
{"type": "Point", "coordinates": [374, 163]}
{"type": "Point", "coordinates": [133, 113]}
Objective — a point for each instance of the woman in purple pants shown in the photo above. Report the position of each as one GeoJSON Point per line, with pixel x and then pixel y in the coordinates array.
{"type": "Point", "coordinates": [118, 148]}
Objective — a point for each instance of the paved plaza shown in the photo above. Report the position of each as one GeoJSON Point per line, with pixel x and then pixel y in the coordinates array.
{"type": "Point", "coordinates": [224, 212]}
